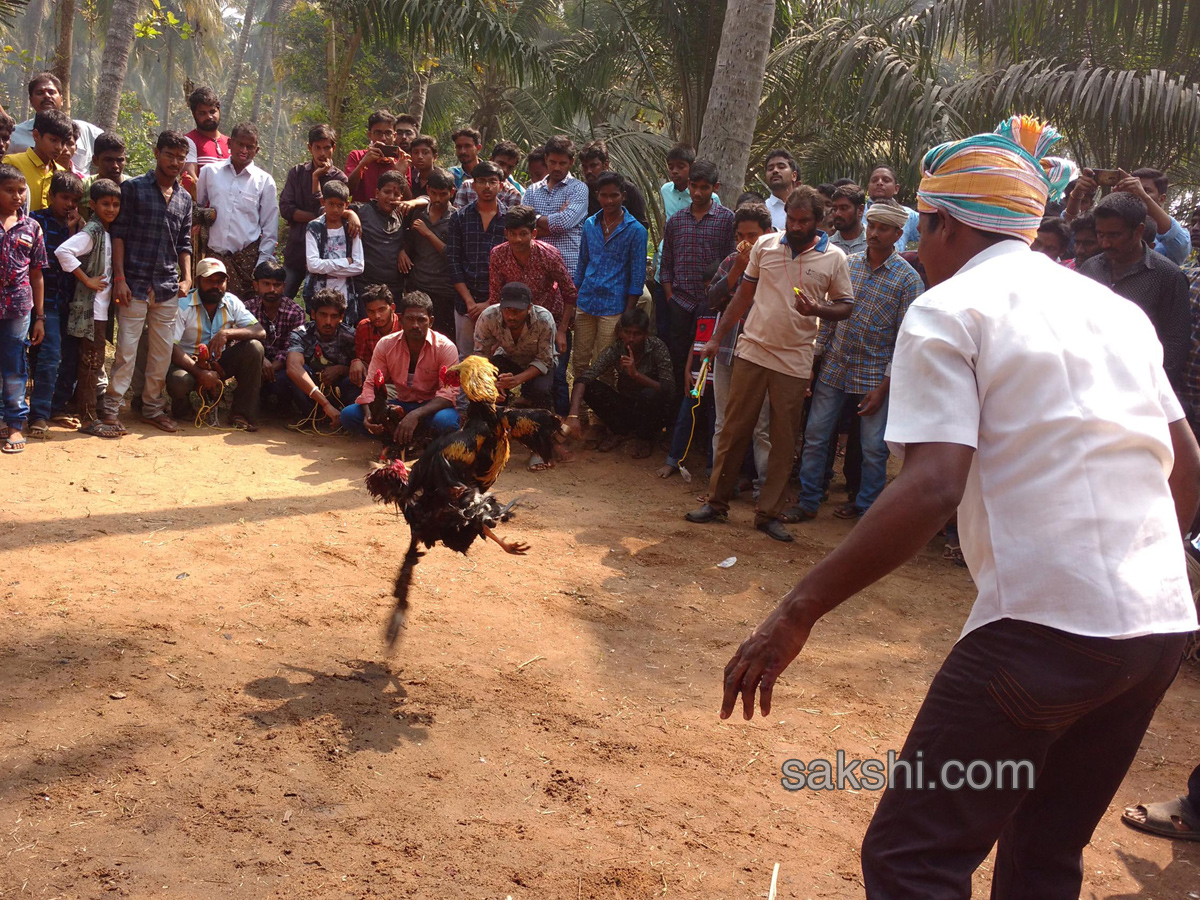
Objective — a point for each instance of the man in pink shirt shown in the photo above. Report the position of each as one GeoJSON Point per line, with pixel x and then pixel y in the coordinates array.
{"type": "Point", "coordinates": [411, 360]}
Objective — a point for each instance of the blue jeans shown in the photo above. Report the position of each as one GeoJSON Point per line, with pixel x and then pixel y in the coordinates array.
{"type": "Point", "coordinates": [14, 372]}
{"type": "Point", "coordinates": [823, 417]}
{"type": "Point", "coordinates": [703, 435]}
{"type": "Point", "coordinates": [347, 391]}
{"type": "Point", "coordinates": [442, 421]}
{"type": "Point", "coordinates": [45, 371]}
{"type": "Point", "coordinates": [561, 394]}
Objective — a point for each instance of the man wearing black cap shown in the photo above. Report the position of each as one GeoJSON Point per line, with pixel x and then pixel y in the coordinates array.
{"type": "Point", "coordinates": [519, 338]}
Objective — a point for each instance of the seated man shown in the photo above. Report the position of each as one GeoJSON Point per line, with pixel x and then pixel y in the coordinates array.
{"type": "Point", "coordinates": [412, 360]}
{"type": "Point", "coordinates": [279, 314]}
{"type": "Point", "coordinates": [212, 318]}
{"type": "Point", "coordinates": [641, 401]}
{"type": "Point", "coordinates": [324, 349]}
{"type": "Point", "coordinates": [381, 319]}
{"type": "Point", "coordinates": [518, 338]}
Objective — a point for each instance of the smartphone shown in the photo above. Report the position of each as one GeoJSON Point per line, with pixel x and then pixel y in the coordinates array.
{"type": "Point", "coordinates": [390, 152]}
{"type": "Point", "coordinates": [1107, 177]}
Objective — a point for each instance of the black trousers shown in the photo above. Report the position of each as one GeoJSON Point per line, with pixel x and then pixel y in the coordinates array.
{"type": "Point", "coordinates": [536, 391]}
{"type": "Point", "coordinates": [243, 361]}
{"type": "Point", "coordinates": [642, 414]}
{"type": "Point", "coordinates": [1076, 707]}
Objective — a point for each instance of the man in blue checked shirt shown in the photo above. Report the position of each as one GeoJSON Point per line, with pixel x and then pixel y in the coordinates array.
{"type": "Point", "coordinates": [857, 363]}
{"type": "Point", "coordinates": [611, 271]}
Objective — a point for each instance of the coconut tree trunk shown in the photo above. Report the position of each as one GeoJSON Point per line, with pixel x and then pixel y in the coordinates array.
{"type": "Point", "coordinates": [733, 99]}
{"type": "Point", "coordinates": [240, 55]}
{"type": "Point", "coordinates": [338, 66]}
{"type": "Point", "coordinates": [169, 81]}
{"type": "Point", "coordinates": [62, 54]}
{"type": "Point", "coordinates": [118, 42]}
{"type": "Point", "coordinates": [267, 60]}
{"type": "Point", "coordinates": [36, 22]}
{"type": "Point", "coordinates": [416, 99]}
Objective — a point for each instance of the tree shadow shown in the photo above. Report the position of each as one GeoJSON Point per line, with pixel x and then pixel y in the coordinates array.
{"type": "Point", "coordinates": [368, 700]}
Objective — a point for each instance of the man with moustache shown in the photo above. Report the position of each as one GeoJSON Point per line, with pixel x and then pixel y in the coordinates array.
{"type": "Point", "coordinates": [793, 280]}
{"type": "Point", "coordinates": [45, 93]}
{"type": "Point", "coordinates": [883, 185]}
{"type": "Point", "coordinates": [218, 320]}
{"type": "Point", "coordinates": [857, 363]}
{"type": "Point", "coordinates": [849, 232]}
{"type": "Point", "coordinates": [781, 178]}
{"type": "Point", "coordinates": [1070, 509]}
{"type": "Point", "coordinates": [245, 205]}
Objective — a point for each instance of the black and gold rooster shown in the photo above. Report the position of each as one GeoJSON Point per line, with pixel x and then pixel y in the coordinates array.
{"type": "Point", "coordinates": [446, 496]}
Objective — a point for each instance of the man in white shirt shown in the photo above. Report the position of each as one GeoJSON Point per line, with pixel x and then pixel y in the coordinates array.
{"type": "Point", "coordinates": [245, 229]}
{"type": "Point", "coordinates": [45, 92]}
{"type": "Point", "coordinates": [1038, 401]}
{"type": "Point", "coordinates": [781, 178]}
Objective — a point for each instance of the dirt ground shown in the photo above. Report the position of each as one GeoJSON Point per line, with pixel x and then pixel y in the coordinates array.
{"type": "Point", "coordinates": [195, 702]}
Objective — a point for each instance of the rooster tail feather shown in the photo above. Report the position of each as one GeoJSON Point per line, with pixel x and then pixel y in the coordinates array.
{"type": "Point", "coordinates": [403, 583]}
{"type": "Point", "coordinates": [536, 429]}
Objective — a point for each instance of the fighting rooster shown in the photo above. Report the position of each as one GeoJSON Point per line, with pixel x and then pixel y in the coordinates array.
{"type": "Point", "coordinates": [446, 496]}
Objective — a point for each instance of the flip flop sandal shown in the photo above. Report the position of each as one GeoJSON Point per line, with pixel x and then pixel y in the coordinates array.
{"type": "Point", "coordinates": [64, 421]}
{"type": "Point", "coordinates": [39, 429]}
{"type": "Point", "coordinates": [243, 424]}
{"type": "Point", "coordinates": [1160, 816]}
{"type": "Point", "coordinates": [101, 429]}
{"type": "Point", "coordinates": [11, 446]}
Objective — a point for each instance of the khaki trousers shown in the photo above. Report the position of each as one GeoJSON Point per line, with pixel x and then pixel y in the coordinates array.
{"type": "Point", "coordinates": [749, 385]}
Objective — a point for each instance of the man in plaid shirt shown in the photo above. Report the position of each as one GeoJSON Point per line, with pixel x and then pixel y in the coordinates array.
{"type": "Point", "coordinates": [694, 239]}
{"type": "Point", "coordinates": [152, 269]}
{"type": "Point", "coordinates": [857, 363]}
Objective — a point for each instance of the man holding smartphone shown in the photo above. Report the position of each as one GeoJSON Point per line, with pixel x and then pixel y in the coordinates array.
{"type": "Point", "coordinates": [383, 154]}
{"type": "Point", "coordinates": [1171, 239]}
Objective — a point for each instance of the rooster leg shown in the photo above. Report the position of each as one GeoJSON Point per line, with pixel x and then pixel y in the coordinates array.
{"type": "Point", "coordinates": [515, 547]}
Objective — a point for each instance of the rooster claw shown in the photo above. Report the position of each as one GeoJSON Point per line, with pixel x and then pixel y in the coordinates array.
{"type": "Point", "coordinates": [517, 548]}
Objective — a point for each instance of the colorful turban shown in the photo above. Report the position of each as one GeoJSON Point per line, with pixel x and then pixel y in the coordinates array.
{"type": "Point", "coordinates": [994, 182]}
{"type": "Point", "coordinates": [1061, 172]}
{"type": "Point", "coordinates": [887, 212]}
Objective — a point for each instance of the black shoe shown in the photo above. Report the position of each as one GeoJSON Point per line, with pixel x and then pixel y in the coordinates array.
{"type": "Point", "coordinates": [773, 528]}
{"type": "Point", "coordinates": [706, 514]}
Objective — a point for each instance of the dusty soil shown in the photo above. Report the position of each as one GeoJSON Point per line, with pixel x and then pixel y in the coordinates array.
{"type": "Point", "coordinates": [195, 701]}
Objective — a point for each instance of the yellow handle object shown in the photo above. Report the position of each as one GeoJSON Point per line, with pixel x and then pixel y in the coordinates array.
{"type": "Point", "coordinates": [701, 378]}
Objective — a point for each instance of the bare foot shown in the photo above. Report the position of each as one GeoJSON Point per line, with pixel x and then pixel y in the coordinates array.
{"type": "Point", "coordinates": [667, 471]}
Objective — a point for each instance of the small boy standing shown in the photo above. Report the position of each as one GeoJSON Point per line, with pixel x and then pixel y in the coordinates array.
{"type": "Point", "coordinates": [87, 256]}
{"type": "Point", "coordinates": [59, 220]}
{"type": "Point", "coordinates": [22, 258]}
{"type": "Point", "coordinates": [333, 259]}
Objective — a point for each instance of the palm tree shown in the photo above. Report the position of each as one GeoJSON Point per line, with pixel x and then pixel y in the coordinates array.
{"type": "Point", "coordinates": [117, 44]}
{"type": "Point", "coordinates": [885, 81]}
{"type": "Point", "coordinates": [62, 53]}
{"type": "Point", "coordinates": [736, 89]}
{"type": "Point", "coordinates": [235, 75]}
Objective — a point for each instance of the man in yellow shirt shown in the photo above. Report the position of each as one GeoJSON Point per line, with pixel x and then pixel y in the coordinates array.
{"type": "Point", "coordinates": [51, 130]}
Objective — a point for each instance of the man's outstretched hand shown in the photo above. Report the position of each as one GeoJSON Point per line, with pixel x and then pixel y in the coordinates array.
{"type": "Point", "coordinates": [761, 660]}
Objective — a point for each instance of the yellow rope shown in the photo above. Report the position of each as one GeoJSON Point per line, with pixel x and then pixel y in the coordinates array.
{"type": "Point", "coordinates": [314, 416]}
{"type": "Point", "coordinates": [698, 393]}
